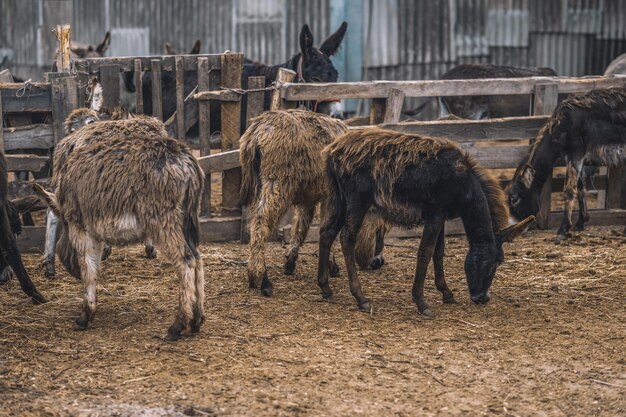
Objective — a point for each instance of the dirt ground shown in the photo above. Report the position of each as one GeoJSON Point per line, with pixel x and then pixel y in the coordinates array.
{"type": "Point", "coordinates": [550, 342]}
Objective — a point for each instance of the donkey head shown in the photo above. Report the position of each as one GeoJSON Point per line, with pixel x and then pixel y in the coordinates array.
{"type": "Point", "coordinates": [315, 66]}
{"type": "Point", "coordinates": [89, 51]}
{"type": "Point", "coordinates": [195, 50]}
{"type": "Point", "coordinates": [522, 198]}
{"type": "Point", "coordinates": [482, 261]}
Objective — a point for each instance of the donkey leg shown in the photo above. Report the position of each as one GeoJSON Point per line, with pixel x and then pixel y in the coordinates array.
{"type": "Point", "coordinates": [357, 209]}
{"type": "Point", "coordinates": [583, 214]}
{"type": "Point", "coordinates": [331, 226]}
{"type": "Point", "coordinates": [89, 255]}
{"type": "Point", "coordinates": [302, 220]}
{"type": "Point", "coordinates": [150, 251]}
{"type": "Point", "coordinates": [379, 260]}
{"type": "Point", "coordinates": [440, 280]}
{"type": "Point", "coordinates": [14, 259]}
{"type": "Point", "coordinates": [432, 228]}
{"type": "Point", "coordinates": [570, 192]}
{"type": "Point", "coordinates": [268, 209]}
{"type": "Point", "coordinates": [198, 311]}
{"type": "Point", "coordinates": [52, 223]}
{"type": "Point", "coordinates": [333, 267]}
{"type": "Point", "coordinates": [5, 271]}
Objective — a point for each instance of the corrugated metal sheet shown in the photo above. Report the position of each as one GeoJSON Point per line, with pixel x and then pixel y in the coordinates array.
{"type": "Point", "coordinates": [548, 16]}
{"type": "Point", "coordinates": [315, 13]}
{"type": "Point", "coordinates": [470, 33]}
{"type": "Point", "coordinates": [613, 20]}
{"type": "Point", "coordinates": [584, 16]}
{"type": "Point", "coordinates": [130, 42]}
{"type": "Point", "coordinates": [508, 27]}
{"type": "Point", "coordinates": [381, 17]}
{"type": "Point", "coordinates": [565, 53]}
{"type": "Point", "coordinates": [259, 29]}
{"type": "Point", "coordinates": [504, 55]}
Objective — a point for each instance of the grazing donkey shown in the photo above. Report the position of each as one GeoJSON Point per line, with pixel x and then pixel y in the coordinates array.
{"type": "Point", "coordinates": [121, 191]}
{"type": "Point", "coordinates": [589, 127]}
{"type": "Point", "coordinates": [409, 180]}
{"type": "Point", "coordinates": [281, 160]}
{"type": "Point", "coordinates": [10, 226]}
{"type": "Point", "coordinates": [125, 124]}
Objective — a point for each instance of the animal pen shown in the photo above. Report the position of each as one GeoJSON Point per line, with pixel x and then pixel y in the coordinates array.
{"type": "Point", "coordinates": [219, 83]}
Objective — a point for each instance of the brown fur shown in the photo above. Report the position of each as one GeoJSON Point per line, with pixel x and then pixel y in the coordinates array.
{"type": "Point", "coordinates": [388, 153]}
{"type": "Point", "coordinates": [282, 165]}
{"type": "Point", "coordinates": [105, 192]}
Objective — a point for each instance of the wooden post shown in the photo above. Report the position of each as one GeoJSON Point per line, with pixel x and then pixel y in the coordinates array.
{"type": "Point", "coordinates": [157, 92]}
{"type": "Point", "coordinates": [231, 126]}
{"type": "Point", "coordinates": [1, 127]}
{"type": "Point", "coordinates": [180, 99]}
{"type": "Point", "coordinates": [394, 103]}
{"type": "Point", "coordinates": [377, 111]}
{"type": "Point", "coordinates": [64, 100]}
{"type": "Point", "coordinates": [138, 79]}
{"type": "Point", "coordinates": [616, 188]}
{"type": "Point", "coordinates": [62, 33]}
{"type": "Point", "coordinates": [253, 109]}
{"type": "Point", "coordinates": [110, 80]}
{"type": "Point", "coordinates": [284, 76]}
{"type": "Point", "coordinates": [545, 100]}
{"type": "Point", "coordinates": [204, 120]}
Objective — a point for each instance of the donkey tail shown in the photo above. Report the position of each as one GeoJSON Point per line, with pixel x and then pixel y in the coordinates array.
{"type": "Point", "coordinates": [191, 210]}
{"type": "Point", "coordinates": [366, 240]}
{"type": "Point", "coordinates": [250, 158]}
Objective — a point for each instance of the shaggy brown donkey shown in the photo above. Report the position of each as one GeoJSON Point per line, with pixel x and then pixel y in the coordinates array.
{"type": "Point", "coordinates": [409, 180]}
{"type": "Point", "coordinates": [589, 127]}
{"type": "Point", "coordinates": [9, 226]}
{"type": "Point", "coordinates": [281, 159]}
{"type": "Point", "coordinates": [105, 192]}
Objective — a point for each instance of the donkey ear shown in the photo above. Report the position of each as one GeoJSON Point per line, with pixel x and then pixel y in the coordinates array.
{"type": "Point", "coordinates": [169, 50]}
{"type": "Point", "coordinates": [47, 198]}
{"type": "Point", "coordinates": [528, 175]}
{"type": "Point", "coordinates": [26, 204]}
{"type": "Point", "coordinates": [102, 48]}
{"type": "Point", "coordinates": [511, 232]}
{"type": "Point", "coordinates": [196, 48]}
{"type": "Point", "coordinates": [306, 41]}
{"type": "Point", "coordinates": [331, 45]}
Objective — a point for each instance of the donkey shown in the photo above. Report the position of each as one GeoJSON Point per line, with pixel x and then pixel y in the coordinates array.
{"type": "Point", "coordinates": [195, 50]}
{"type": "Point", "coordinates": [281, 160]}
{"type": "Point", "coordinates": [124, 124]}
{"type": "Point", "coordinates": [79, 50]}
{"type": "Point", "coordinates": [409, 180]}
{"type": "Point", "coordinates": [105, 192]}
{"type": "Point", "coordinates": [10, 226]}
{"type": "Point", "coordinates": [483, 107]}
{"type": "Point", "coordinates": [585, 128]}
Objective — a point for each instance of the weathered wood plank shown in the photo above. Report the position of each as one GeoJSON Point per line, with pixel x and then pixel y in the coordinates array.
{"type": "Point", "coordinates": [220, 229]}
{"type": "Point", "coordinates": [2, 148]}
{"type": "Point", "coordinates": [168, 62]}
{"type": "Point", "coordinates": [38, 136]}
{"type": "Point", "coordinates": [377, 111]}
{"type": "Point", "coordinates": [6, 76]}
{"type": "Point", "coordinates": [180, 99]}
{"type": "Point", "coordinates": [231, 125]}
{"type": "Point", "coordinates": [545, 99]}
{"type": "Point", "coordinates": [393, 106]}
{"type": "Point", "coordinates": [110, 80]}
{"type": "Point", "coordinates": [254, 109]}
{"type": "Point", "coordinates": [219, 162]}
{"type": "Point", "coordinates": [157, 91]}
{"type": "Point", "coordinates": [190, 112]}
{"type": "Point", "coordinates": [204, 117]}
{"type": "Point", "coordinates": [496, 157]}
{"type": "Point", "coordinates": [616, 190]}
{"type": "Point", "coordinates": [32, 239]}
{"type": "Point", "coordinates": [436, 88]}
{"type": "Point", "coordinates": [510, 128]}
{"type": "Point", "coordinates": [62, 33]}
{"type": "Point", "coordinates": [18, 98]}
{"type": "Point", "coordinates": [30, 163]}
{"type": "Point", "coordinates": [223, 95]}
{"type": "Point", "coordinates": [64, 100]}
{"type": "Point", "coordinates": [284, 76]}
{"type": "Point", "coordinates": [138, 79]}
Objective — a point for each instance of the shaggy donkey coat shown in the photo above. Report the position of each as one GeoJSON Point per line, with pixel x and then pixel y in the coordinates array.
{"type": "Point", "coordinates": [105, 192]}
{"type": "Point", "coordinates": [281, 160]}
{"type": "Point", "coordinates": [589, 127]}
{"type": "Point", "coordinates": [409, 180]}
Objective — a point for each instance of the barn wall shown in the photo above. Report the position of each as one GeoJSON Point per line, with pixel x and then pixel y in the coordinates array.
{"type": "Point", "coordinates": [399, 39]}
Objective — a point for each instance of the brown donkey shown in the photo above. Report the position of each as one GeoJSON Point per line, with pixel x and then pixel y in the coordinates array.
{"type": "Point", "coordinates": [105, 192]}
{"type": "Point", "coordinates": [281, 159]}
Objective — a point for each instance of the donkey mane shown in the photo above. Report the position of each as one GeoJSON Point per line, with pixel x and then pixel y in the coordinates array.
{"type": "Point", "coordinates": [376, 147]}
{"type": "Point", "coordinates": [466, 71]}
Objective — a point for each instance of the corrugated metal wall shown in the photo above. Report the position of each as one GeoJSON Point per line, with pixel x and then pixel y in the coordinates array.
{"type": "Point", "coordinates": [402, 39]}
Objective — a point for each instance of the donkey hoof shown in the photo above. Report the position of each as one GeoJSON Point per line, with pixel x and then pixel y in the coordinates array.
{"type": "Point", "coordinates": [377, 262]}
{"type": "Point", "coordinates": [106, 252]}
{"type": "Point", "coordinates": [449, 299]}
{"type": "Point", "coordinates": [6, 275]}
{"type": "Point", "coordinates": [365, 306]}
{"type": "Point", "coordinates": [290, 268]}
{"type": "Point", "coordinates": [426, 312]}
{"type": "Point", "coordinates": [266, 287]}
{"type": "Point", "coordinates": [559, 239]}
{"type": "Point", "coordinates": [196, 323]}
{"type": "Point", "coordinates": [150, 252]}
{"type": "Point", "coordinates": [334, 270]}
{"type": "Point", "coordinates": [579, 227]}
{"type": "Point", "coordinates": [175, 331]}
{"type": "Point", "coordinates": [37, 298]}
{"type": "Point", "coordinates": [49, 270]}
{"type": "Point", "coordinates": [81, 323]}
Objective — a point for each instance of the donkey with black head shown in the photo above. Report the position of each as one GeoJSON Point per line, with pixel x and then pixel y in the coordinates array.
{"type": "Point", "coordinates": [410, 180]}
{"type": "Point", "coordinates": [589, 127]}
{"type": "Point", "coordinates": [10, 226]}
{"type": "Point", "coordinates": [105, 193]}
{"type": "Point", "coordinates": [80, 50]}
